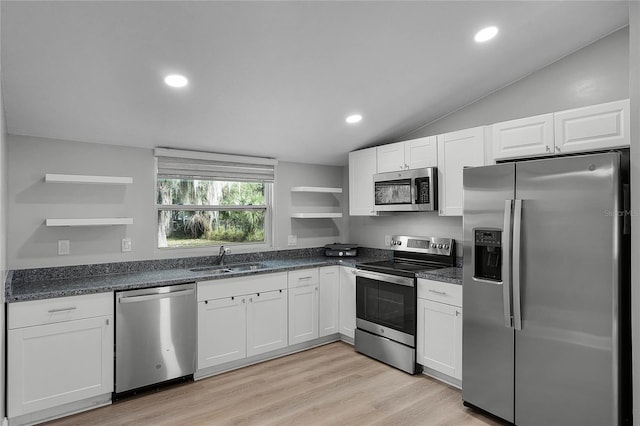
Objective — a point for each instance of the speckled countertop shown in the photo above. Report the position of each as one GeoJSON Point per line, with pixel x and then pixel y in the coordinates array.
{"type": "Point", "coordinates": [46, 283]}
{"type": "Point", "coordinates": [448, 275]}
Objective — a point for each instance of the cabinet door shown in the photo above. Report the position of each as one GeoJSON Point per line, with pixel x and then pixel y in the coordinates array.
{"type": "Point", "coordinates": [593, 127]}
{"type": "Point", "coordinates": [55, 364]}
{"type": "Point", "coordinates": [439, 337]}
{"type": "Point", "coordinates": [303, 314]}
{"type": "Point", "coordinates": [390, 158]}
{"type": "Point", "coordinates": [329, 301]}
{"type": "Point", "coordinates": [347, 301]}
{"type": "Point", "coordinates": [362, 167]}
{"type": "Point", "coordinates": [457, 150]}
{"type": "Point", "coordinates": [423, 152]}
{"type": "Point", "coordinates": [266, 322]}
{"type": "Point", "coordinates": [524, 137]}
{"type": "Point", "coordinates": [221, 331]}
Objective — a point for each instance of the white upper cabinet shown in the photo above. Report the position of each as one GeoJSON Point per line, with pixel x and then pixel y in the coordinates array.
{"type": "Point", "coordinates": [411, 154]}
{"type": "Point", "coordinates": [594, 127]}
{"type": "Point", "coordinates": [362, 167]}
{"type": "Point", "coordinates": [590, 128]}
{"type": "Point", "coordinates": [422, 152]}
{"type": "Point", "coordinates": [390, 158]}
{"type": "Point", "coordinates": [524, 137]}
{"type": "Point", "coordinates": [457, 150]}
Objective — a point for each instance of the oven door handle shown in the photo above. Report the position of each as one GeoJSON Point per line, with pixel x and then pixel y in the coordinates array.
{"type": "Point", "coordinates": [394, 279]}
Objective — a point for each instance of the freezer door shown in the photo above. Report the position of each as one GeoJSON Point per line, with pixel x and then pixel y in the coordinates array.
{"type": "Point", "coordinates": [487, 350]}
{"type": "Point", "coordinates": [566, 352]}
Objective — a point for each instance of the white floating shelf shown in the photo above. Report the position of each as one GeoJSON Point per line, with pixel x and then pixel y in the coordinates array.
{"type": "Point", "coordinates": [57, 178]}
{"type": "Point", "coordinates": [316, 215]}
{"type": "Point", "coordinates": [107, 221]}
{"type": "Point", "coordinates": [316, 189]}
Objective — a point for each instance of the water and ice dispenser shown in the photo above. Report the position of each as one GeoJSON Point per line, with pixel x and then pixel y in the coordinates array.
{"type": "Point", "coordinates": [488, 254]}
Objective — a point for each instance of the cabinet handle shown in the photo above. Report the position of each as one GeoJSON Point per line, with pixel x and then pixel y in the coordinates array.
{"type": "Point", "coordinates": [106, 321]}
{"type": "Point", "coordinates": [558, 148]}
{"type": "Point", "coordinates": [55, 311]}
{"type": "Point", "coordinates": [547, 148]}
{"type": "Point", "coordinates": [251, 300]}
{"type": "Point", "coordinates": [442, 293]}
{"type": "Point", "coordinates": [457, 313]}
{"type": "Point", "coordinates": [316, 288]}
{"type": "Point", "coordinates": [304, 278]}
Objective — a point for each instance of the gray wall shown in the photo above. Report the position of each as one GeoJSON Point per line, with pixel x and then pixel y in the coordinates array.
{"type": "Point", "coordinates": [31, 201]}
{"type": "Point", "coordinates": [3, 235]}
{"type": "Point", "coordinates": [309, 232]}
{"type": "Point", "coordinates": [595, 74]}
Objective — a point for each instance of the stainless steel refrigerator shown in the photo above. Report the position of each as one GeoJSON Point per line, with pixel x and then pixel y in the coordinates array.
{"type": "Point", "coordinates": [546, 290]}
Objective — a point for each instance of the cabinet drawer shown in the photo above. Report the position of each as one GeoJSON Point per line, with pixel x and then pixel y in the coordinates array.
{"type": "Point", "coordinates": [49, 311]}
{"type": "Point", "coordinates": [228, 287]}
{"type": "Point", "coordinates": [437, 291]}
{"type": "Point", "coordinates": [304, 277]}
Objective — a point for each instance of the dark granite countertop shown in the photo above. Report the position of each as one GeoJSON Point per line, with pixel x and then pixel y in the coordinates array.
{"type": "Point", "coordinates": [448, 275]}
{"type": "Point", "coordinates": [47, 283]}
{"type": "Point", "coordinates": [24, 287]}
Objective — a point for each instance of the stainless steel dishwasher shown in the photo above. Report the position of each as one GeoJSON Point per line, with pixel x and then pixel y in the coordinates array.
{"type": "Point", "coordinates": [155, 335]}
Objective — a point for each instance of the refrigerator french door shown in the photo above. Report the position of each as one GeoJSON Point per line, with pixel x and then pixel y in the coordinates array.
{"type": "Point", "coordinates": [541, 283]}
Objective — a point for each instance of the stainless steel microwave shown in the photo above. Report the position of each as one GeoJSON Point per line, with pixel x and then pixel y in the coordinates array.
{"type": "Point", "coordinates": [408, 190]}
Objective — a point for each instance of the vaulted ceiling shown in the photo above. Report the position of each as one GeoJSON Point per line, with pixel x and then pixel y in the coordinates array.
{"type": "Point", "coordinates": [271, 78]}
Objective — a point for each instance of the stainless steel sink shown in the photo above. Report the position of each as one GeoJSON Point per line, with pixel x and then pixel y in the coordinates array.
{"type": "Point", "coordinates": [225, 269]}
{"type": "Point", "coordinates": [211, 269]}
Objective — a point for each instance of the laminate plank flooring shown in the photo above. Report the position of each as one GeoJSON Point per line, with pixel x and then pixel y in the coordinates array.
{"type": "Point", "coordinates": [327, 385]}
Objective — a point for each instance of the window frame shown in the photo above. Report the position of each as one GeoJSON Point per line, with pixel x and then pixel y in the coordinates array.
{"type": "Point", "coordinates": [268, 207]}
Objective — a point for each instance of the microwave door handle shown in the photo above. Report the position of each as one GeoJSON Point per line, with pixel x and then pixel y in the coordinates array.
{"type": "Point", "coordinates": [414, 197]}
{"type": "Point", "coordinates": [507, 231]}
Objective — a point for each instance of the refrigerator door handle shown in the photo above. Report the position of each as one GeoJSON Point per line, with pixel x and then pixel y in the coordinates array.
{"type": "Point", "coordinates": [517, 228]}
{"type": "Point", "coordinates": [506, 263]}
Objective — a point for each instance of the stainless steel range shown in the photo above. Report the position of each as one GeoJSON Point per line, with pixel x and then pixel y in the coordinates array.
{"type": "Point", "coordinates": [386, 298]}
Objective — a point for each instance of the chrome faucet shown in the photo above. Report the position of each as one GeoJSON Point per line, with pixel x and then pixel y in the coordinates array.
{"type": "Point", "coordinates": [221, 254]}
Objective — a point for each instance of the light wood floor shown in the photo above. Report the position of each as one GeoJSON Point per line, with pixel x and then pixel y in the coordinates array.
{"type": "Point", "coordinates": [328, 385]}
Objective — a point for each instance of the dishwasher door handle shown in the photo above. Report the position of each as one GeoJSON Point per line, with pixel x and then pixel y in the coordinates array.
{"type": "Point", "coordinates": [155, 296]}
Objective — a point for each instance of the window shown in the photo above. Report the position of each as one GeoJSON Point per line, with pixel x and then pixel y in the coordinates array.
{"type": "Point", "coordinates": [205, 199]}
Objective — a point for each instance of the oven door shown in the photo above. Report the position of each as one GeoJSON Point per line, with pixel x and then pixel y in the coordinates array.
{"type": "Point", "coordinates": [386, 305]}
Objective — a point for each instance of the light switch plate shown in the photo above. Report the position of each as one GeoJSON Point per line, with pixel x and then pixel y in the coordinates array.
{"type": "Point", "coordinates": [292, 240]}
{"type": "Point", "coordinates": [126, 245]}
{"type": "Point", "coordinates": [387, 240]}
{"type": "Point", "coordinates": [64, 247]}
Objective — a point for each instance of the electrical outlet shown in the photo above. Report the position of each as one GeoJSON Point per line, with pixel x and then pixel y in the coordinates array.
{"type": "Point", "coordinates": [387, 240]}
{"type": "Point", "coordinates": [126, 245]}
{"type": "Point", "coordinates": [292, 240]}
{"type": "Point", "coordinates": [64, 247]}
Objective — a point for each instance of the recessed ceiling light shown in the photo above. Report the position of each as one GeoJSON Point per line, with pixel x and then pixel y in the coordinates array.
{"type": "Point", "coordinates": [486, 34]}
{"type": "Point", "coordinates": [355, 118]}
{"type": "Point", "coordinates": [176, 80]}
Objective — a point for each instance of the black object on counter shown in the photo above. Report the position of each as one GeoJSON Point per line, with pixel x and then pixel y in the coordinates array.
{"type": "Point", "coordinates": [341, 250]}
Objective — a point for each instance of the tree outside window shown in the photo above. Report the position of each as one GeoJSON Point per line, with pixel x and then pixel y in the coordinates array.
{"type": "Point", "coordinates": [198, 213]}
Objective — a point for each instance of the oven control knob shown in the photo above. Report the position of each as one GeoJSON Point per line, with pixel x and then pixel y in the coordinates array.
{"type": "Point", "coordinates": [439, 246]}
{"type": "Point", "coordinates": [446, 246]}
{"type": "Point", "coordinates": [433, 245]}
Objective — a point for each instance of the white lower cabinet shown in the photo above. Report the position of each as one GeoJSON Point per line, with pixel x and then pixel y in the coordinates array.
{"type": "Point", "coordinates": [240, 317]}
{"type": "Point", "coordinates": [59, 351]}
{"type": "Point", "coordinates": [266, 322]}
{"type": "Point", "coordinates": [303, 305]}
{"type": "Point", "coordinates": [439, 328]}
{"type": "Point", "coordinates": [329, 301]}
{"type": "Point", "coordinates": [347, 302]}
{"type": "Point", "coordinates": [222, 325]}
